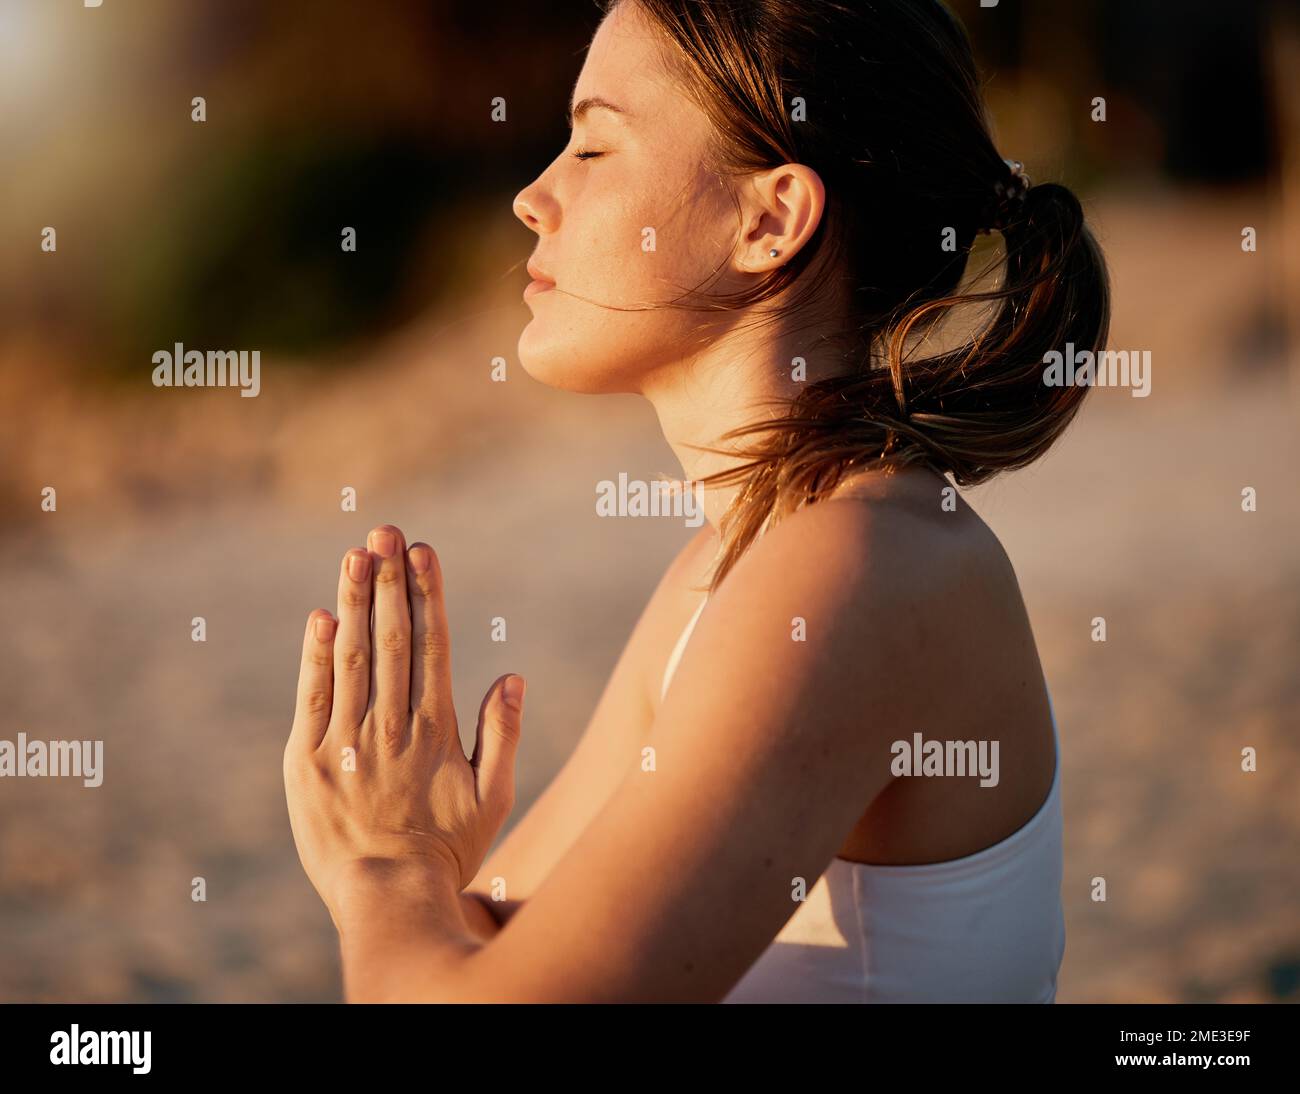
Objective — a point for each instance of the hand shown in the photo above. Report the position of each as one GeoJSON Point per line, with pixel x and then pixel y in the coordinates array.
{"type": "Point", "coordinates": [376, 779]}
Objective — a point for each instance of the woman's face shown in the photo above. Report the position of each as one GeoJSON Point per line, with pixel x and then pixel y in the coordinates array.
{"type": "Point", "coordinates": [634, 222]}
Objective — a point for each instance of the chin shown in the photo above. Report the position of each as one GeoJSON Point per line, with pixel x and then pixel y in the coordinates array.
{"type": "Point", "coordinates": [566, 364]}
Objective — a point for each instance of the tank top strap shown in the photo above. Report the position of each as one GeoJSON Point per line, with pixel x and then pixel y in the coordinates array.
{"type": "Point", "coordinates": [675, 657]}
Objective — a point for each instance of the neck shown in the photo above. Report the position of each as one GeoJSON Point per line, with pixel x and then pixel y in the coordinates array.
{"type": "Point", "coordinates": [730, 383]}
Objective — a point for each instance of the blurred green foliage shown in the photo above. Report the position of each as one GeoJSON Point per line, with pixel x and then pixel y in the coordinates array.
{"type": "Point", "coordinates": [249, 254]}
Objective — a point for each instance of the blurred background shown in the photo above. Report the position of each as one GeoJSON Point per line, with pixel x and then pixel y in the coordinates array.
{"type": "Point", "coordinates": [375, 374]}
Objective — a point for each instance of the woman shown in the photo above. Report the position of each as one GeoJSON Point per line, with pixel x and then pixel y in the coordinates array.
{"type": "Point", "coordinates": [763, 214]}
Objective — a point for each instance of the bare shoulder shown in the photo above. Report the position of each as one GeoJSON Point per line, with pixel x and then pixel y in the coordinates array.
{"type": "Point", "coordinates": [690, 565]}
{"type": "Point", "coordinates": [911, 607]}
{"type": "Point", "coordinates": [901, 581]}
{"type": "Point", "coordinates": [683, 585]}
{"type": "Point", "coordinates": [894, 542]}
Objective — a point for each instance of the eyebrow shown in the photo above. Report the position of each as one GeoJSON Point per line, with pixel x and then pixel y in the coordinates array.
{"type": "Point", "coordinates": [577, 111]}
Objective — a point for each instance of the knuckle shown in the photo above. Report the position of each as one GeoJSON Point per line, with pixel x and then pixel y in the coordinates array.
{"type": "Point", "coordinates": [432, 644]}
{"type": "Point", "coordinates": [393, 641]}
{"type": "Point", "coordinates": [507, 732]}
{"type": "Point", "coordinates": [392, 726]}
{"type": "Point", "coordinates": [427, 721]}
{"type": "Point", "coordinates": [355, 659]}
{"type": "Point", "coordinates": [320, 659]}
{"type": "Point", "coordinates": [316, 701]}
{"type": "Point", "coordinates": [387, 575]}
{"type": "Point", "coordinates": [354, 598]}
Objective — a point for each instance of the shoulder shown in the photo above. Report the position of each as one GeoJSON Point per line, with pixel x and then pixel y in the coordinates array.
{"type": "Point", "coordinates": [866, 604]}
{"type": "Point", "coordinates": [887, 548]}
{"type": "Point", "coordinates": [690, 564]}
{"type": "Point", "coordinates": [683, 584]}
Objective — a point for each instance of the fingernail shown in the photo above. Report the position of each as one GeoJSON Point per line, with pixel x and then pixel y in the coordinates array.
{"type": "Point", "coordinates": [419, 559]}
{"type": "Point", "coordinates": [512, 691]}
{"type": "Point", "coordinates": [384, 544]}
{"type": "Point", "coordinates": [358, 566]}
{"type": "Point", "coordinates": [325, 628]}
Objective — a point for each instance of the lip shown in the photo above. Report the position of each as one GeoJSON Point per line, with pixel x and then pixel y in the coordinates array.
{"type": "Point", "coordinates": [541, 280]}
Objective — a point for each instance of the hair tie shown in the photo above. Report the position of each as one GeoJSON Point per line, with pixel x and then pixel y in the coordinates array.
{"type": "Point", "coordinates": [1008, 198]}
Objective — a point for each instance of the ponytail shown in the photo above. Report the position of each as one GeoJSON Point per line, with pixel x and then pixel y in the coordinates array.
{"type": "Point", "coordinates": [969, 413]}
{"type": "Point", "coordinates": [985, 407]}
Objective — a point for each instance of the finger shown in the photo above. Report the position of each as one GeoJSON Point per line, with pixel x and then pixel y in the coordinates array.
{"type": "Point", "coordinates": [352, 642]}
{"type": "Point", "coordinates": [311, 713]}
{"type": "Point", "coordinates": [430, 638]}
{"type": "Point", "coordinates": [496, 744]}
{"type": "Point", "coordinates": [391, 667]}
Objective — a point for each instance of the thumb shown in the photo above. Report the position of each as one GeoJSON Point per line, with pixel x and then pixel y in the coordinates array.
{"type": "Point", "coordinates": [500, 721]}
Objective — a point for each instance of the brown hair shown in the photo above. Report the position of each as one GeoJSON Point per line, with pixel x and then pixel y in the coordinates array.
{"type": "Point", "coordinates": [895, 128]}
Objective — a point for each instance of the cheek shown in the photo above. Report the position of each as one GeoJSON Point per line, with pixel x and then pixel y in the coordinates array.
{"type": "Point", "coordinates": [644, 237]}
{"type": "Point", "coordinates": [625, 251]}
{"type": "Point", "coordinates": [623, 247]}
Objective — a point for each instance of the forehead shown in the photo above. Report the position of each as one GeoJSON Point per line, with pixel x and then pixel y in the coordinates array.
{"type": "Point", "coordinates": [624, 68]}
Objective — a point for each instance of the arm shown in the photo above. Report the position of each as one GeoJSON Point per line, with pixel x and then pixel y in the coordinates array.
{"type": "Point", "coordinates": [763, 763]}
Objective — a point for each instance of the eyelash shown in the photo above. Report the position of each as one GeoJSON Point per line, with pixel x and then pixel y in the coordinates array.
{"type": "Point", "coordinates": [583, 154]}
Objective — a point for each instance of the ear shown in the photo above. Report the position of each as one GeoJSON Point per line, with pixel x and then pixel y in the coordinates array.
{"type": "Point", "coordinates": [781, 208]}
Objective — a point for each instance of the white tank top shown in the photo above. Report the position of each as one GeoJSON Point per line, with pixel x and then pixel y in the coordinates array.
{"type": "Point", "coordinates": [986, 928]}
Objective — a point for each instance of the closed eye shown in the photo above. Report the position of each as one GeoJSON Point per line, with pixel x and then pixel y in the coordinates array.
{"type": "Point", "coordinates": [583, 154]}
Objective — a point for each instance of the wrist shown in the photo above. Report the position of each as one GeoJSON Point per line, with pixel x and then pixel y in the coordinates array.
{"type": "Point", "coordinates": [402, 929]}
{"type": "Point", "coordinates": [364, 883]}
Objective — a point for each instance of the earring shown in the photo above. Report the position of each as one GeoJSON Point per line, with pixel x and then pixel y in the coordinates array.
{"type": "Point", "coordinates": [772, 252]}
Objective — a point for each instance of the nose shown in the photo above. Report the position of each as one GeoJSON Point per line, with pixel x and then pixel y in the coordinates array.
{"type": "Point", "coordinates": [536, 208]}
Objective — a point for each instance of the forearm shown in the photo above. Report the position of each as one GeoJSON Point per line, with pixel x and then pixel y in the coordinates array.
{"type": "Point", "coordinates": [405, 936]}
